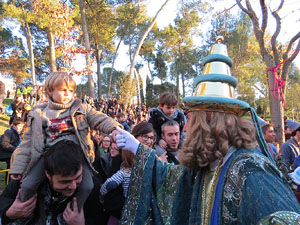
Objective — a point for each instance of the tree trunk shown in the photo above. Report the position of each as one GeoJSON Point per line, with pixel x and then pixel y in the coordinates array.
{"type": "Point", "coordinates": [52, 57]}
{"type": "Point", "coordinates": [141, 87]}
{"type": "Point", "coordinates": [177, 85]}
{"type": "Point", "coordinates": [137, 50]}
{"type": "Point", "coordinates": [98, 58]}
{"type": "Point", "coordinates": [28, 36]}
{"type": "Point", "coordinates": [276, 110]}
{"type": "Point", "coordinates": [265, 110]}
{"type": "Point", "coordinates": [183, 86]}
{"type": "Point", "coordinates": [137, 87]}
{"type": "Point", "coordinates": [149, 69]}
{"type": "Point", "coordinates": [271, 58]}
{"type": "Point", "coordinates": [112, 68]}
{"type": "Point", "coordinates": [87, 47]}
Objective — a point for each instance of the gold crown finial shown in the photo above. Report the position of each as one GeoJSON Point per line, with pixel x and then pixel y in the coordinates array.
{"type": "Point", "coordinates": [219, 39]}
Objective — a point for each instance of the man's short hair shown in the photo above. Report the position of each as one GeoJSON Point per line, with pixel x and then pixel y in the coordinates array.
{"type": "Point", "coordinates": [266, 127]}
{"type": "Point", "coordinates": [168, 99]}
{"type": "Point", "coordinates": [169, 123]}
{"type": "Point", "coordinates": [119, 115]}
{"type": "Point", "coordinates": [64, 158]}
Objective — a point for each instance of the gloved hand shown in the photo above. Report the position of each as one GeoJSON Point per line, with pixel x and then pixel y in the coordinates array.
{"type": "Point", "coordinates": [126, 141]}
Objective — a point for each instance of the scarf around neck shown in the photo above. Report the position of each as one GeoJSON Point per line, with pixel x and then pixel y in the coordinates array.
{"type": "Point", "coordinates": [54, 105]}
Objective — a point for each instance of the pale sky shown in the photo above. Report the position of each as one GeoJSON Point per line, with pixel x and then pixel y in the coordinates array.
{"type": "Point", "coordinates": [289, 14]}
{"type": "Point", "coordinates": [289, 22]}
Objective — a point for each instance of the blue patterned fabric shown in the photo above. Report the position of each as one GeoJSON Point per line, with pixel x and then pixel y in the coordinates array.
{"type": "Point", "coordinates": [151, 190]}
{"type": "Point", "coordinates": [249, 189]}
{"type": "Point", "coordinates": [215, 210]}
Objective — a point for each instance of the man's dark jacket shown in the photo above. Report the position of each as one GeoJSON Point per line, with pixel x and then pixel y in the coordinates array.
{"type": "Point", "coordinates": [9, 141]}
{"type": "Point", "coordinates": [49, 203]}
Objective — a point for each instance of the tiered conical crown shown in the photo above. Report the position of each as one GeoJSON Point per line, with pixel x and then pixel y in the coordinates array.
{"type": "Point", "coordinates": [214, 88]}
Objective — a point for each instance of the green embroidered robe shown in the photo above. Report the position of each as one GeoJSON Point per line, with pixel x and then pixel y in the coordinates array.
{"type": "Point", "coordinates": [251, 188]}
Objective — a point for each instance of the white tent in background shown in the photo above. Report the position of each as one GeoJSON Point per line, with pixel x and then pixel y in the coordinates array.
{"type": "Point", "coordinates": [9, 84]}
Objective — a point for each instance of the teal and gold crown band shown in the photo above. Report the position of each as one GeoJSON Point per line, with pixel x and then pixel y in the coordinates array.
{"type": "Point", "coordinates": [214, 88]}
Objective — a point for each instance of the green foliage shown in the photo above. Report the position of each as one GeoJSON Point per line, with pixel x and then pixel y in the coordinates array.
{"type": "Point", "coordinates": [160, 67]}
{"type": "Point", "coordinates": [130, 16]}
{"type": "Point", "coordinates": [13, 59]}
{"type": "Point", "coordinates": [149, 93]}
{"type": "Point", "coordinates": [101, 24]}
{"type": "Point", "coordinates": [176, 46]}
{"type": "Point", "coordinates": [20, 11]}
{"type": "Point", "coordinates": [82, 89]}
{"type": "Point", "coordinates": [292, 94]}
{"type": "Point", "coordinates": [54, 14]}
{"type": "Point", "coordinates": [116, 75]}
{"type": "Point", "coordinates": [158, 89]}
{"type": "Point", "coordinates": [126, 88]}
{"type": "Point", "coordinates": [154, 91]}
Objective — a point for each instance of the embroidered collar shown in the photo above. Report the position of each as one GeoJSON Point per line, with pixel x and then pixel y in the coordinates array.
{"type": "Point", "coordinates": [213, 165]}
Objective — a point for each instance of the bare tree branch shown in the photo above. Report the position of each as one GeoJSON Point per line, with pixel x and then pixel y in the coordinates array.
{"type": "Point", "coordinates": [274, 37]}
{"type": "Point", "coordinates": [276, 33]}
{"type": "Point", "coordinates": [143, 37]}
{"type": "Point", "coordinates": [252, 12]}
{"type": "Point", "coordinates": [260, 90]}
{"type": "Point", "coordinates": [291, 43]}
{"type": "Point", "coordinates": [256, 28]}
{"type": "Point", "coordinates": [269, 59]}
{"type": "Point", "coordinates": [238, 2]}
{"type": "Point", "coordinates": [280, 6]}
{"type": "Point", "coordinates": [287, 64]}
{"type": "Point", "coordinates": [264, 11]}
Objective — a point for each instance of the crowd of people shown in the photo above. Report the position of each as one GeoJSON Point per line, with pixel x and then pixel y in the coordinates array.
{"type": "Point", "coordinates": [106, 165]}
{"type": "Point", "coordinates": [96, 161]}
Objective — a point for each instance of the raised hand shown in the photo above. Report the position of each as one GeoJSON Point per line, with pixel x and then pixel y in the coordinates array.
{"type": "Point", "coordinates": [126, 141]}
{"type": "Point", "coordinates": [162, 144]}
